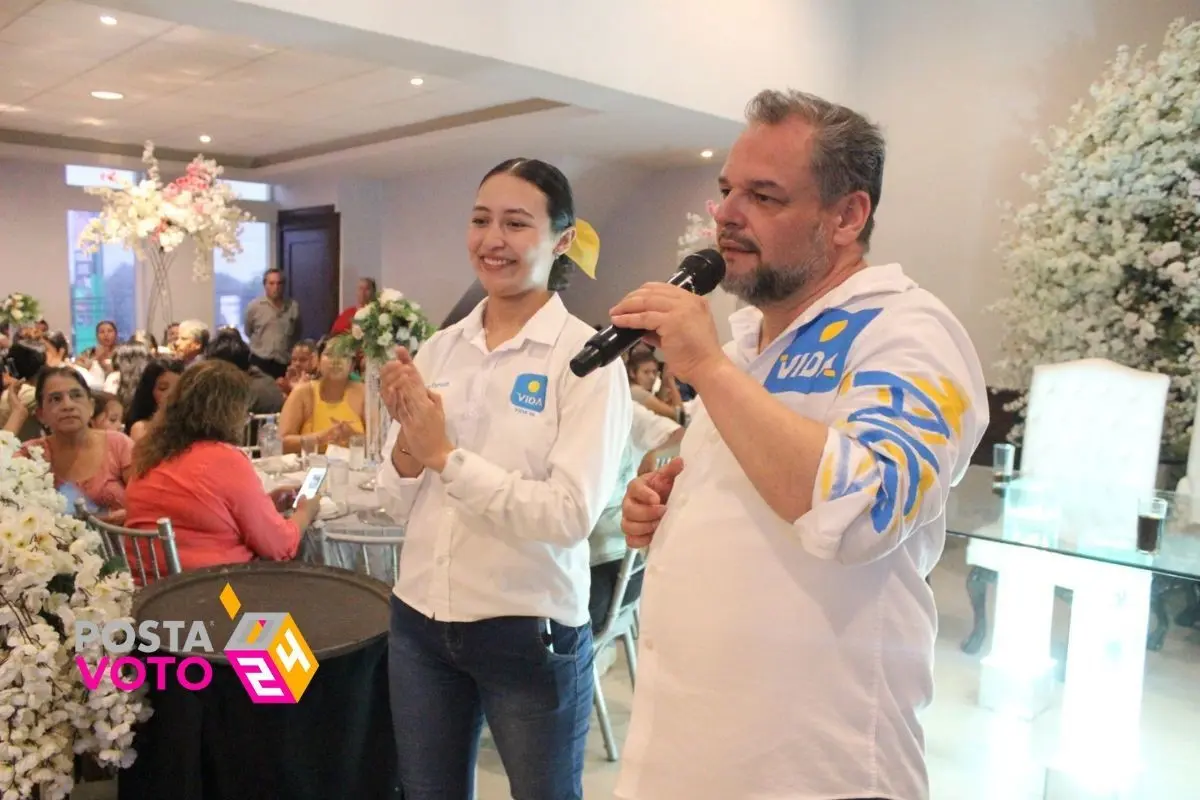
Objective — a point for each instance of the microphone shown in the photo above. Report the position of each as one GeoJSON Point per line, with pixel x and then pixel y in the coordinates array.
{"type": "Point", "coordinates": [699, 273]}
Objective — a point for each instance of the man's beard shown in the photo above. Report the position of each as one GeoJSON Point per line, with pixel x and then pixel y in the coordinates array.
{"type": "Point", "coordinates": [769, 284]}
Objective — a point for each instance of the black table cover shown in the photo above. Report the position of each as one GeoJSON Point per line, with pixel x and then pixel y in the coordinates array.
{"type": "Point", "coordinates": [216, 744]}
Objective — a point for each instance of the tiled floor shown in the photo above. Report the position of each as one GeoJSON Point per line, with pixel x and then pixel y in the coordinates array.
{"type": "Point", "coordinates": [972, 752]}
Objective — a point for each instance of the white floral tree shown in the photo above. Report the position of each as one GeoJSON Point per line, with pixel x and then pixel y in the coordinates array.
{"type": "Point", "coordinates": [52, 573]}
{"type": "Point", "coordinates": [1105, 263]}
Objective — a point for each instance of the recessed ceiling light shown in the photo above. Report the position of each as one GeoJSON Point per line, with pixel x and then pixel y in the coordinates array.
{"type": "Point", "coordinates": [92, 121]}
{"type": "Point", "coordinates": [706, 153]}
{"type": "Point", "coordinates": [5, 108]}
{"type": "Point", "coordinates": [107, 20]}
{"type": "Point", "coordinates": [204, 137]}
{"type": "Point", "coordinates": [417, 81]}
{"type": "Point", "coordinates": [108, 95]}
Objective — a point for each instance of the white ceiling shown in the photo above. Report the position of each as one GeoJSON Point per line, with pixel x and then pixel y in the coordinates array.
{"type": "Point", "coordinates": [267, 104]}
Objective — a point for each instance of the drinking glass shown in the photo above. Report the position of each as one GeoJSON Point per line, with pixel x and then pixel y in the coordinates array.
{"type": "Point", "coordinates": [358, 451]}
{"type": "Point", "coordinates": [308, 448]}
{"type": "Point", "coordinates": [1004, 458]}
{"type": "Point", "coordinates": [1152, 517]}
{"type": "Point", "coordinates": [338, 482]}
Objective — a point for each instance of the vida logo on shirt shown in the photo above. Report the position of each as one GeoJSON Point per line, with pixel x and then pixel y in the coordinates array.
{"type": "Point", "coordinates": [529, 393]}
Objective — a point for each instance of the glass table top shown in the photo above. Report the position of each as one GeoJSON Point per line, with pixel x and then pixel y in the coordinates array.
{"type": "Point", "coordinates": [1086, 521]}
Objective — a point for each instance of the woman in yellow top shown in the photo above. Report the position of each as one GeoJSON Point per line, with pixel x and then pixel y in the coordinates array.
{"type": "Point", "coordinates": [331, 407]}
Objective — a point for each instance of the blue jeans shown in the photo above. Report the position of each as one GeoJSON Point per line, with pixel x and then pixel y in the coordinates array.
{"type": "Point", "coordinates": [446, 677]}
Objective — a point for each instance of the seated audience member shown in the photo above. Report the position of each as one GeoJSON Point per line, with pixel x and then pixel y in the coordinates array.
{"type": "Point", "coordinates": [100, 357]}
{"type": "Point", "coordinates": [191, 341]}
{"type": "Point", "coordinates": [331, 407]}
{"type": "Point", "coordinates": [18, 402]}
{"type": "Point", "coordinates": [649, 435]}
{"type": "Point", "coordinates": [58, 354]}
{"type": "Point", "coordinates": [86, 462]}
{"type": "Point", "coordinates": [265, 396]}
{"type": "Point", "coordinates": [643, 371]}
{"type": "Point", "coordinates": [170, 336]}
{"type": "Point", "coordinates": [189, 469]}
{"type": "Point", "coordinates": [158, 378]}
{"type": "Point", "coordinates": [303, 367]}
{"type": "Point", "coordinates": [107, 412]}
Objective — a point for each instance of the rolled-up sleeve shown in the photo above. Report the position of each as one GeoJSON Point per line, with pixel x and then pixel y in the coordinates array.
{"type": "Point", "coordinates": [909, 413]}
{"type": "Point", "coordinates": [584, 464]}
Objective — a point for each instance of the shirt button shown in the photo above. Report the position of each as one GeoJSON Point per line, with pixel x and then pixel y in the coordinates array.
{"type": "Point", "coordinates": [442, 561]}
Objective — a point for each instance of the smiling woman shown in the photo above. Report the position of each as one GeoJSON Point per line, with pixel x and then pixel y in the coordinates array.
{"type": "Point", "coordinates": [526, 455]}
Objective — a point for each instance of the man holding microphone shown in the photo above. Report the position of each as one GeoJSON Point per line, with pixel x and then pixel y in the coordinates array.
{"type": "Point", "coordinates": [787, 630]}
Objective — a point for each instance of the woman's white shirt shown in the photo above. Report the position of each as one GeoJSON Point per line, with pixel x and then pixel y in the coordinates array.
{"type": "Point", "coordinates": [502, 531]}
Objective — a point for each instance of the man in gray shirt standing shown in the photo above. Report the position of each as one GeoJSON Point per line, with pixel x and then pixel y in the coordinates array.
{"type": "Point", "coordinates": [273, 326]}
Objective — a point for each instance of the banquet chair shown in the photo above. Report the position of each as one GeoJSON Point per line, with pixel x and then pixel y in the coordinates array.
{"type": "Point", "coordinates": [113, 540]}
{"type": "Point", "coordinates": [360, 558]}
{"type": "Point", "coordinates": [618, 624]}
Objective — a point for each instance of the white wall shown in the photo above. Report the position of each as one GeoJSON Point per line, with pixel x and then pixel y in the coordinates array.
{"type": "Point", "coordinates": [705, 56]}
{"type": "Point", "coordinates": [960, 88]}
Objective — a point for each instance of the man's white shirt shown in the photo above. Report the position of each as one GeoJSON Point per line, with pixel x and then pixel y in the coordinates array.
{"type": "Point", "coordinates": [503, 530]}
{"type": "Point", "coordinates": [789, 660]}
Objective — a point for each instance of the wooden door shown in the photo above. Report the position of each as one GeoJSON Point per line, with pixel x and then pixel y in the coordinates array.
{"type": "Point", "coordinates": [310, 257]}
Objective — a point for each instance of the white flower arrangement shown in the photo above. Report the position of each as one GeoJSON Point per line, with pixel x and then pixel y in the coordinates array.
{"type": "Point", "coordinates": [389, 320]}
{"type": "Point", "coordinates": [1105, 263]}
{"type": "Point", "coordinates": [19, 310]}
{"type": "Point", "coordinates": [149, 214]}
{"type": "Point", "coordinates": [701, 232]}
{"type": "Point", "coordinates": [52, 574]}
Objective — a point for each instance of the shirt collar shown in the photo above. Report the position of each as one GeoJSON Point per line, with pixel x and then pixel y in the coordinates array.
{"type": "Point", "coordinates": [543, 327]}
{"type": "Point", "coordinates": [745, 323]}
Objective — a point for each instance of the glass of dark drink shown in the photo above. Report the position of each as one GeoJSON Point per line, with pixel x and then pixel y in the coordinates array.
{"type": "Point", "coordinates": [1152, 516]}
{"type": "Point", "coordinates": [1004, 458]}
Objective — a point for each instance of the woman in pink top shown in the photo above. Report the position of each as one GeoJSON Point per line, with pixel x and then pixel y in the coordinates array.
{"type": "Point", "coordinates": [189, 469]}
{"type": "Point", "coordinates": [88, 463]}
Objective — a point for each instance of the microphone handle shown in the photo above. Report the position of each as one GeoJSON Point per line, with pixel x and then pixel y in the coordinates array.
{"type": "Point", "coordinates": [609, 344]}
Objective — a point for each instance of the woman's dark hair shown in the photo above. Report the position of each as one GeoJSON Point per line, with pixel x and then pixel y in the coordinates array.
{"type": "Point", "coordinates": [57, 372]}
{"type": "Point", "coordinates": [25, 358]}
{"type": "Point", "coordinates": [560, 206]}
{"type": "Point", "coordinates": [100, 401]}
{"type": "Point", "coordinates": [58, 340]}
{"type": "Point", "coordinates": [142, 407]}
{"type": "Point", "coordinates": [211, 403]}
{"type": "Point", "coordinates": [104, 322]}
{"type": "Point", "coordinates": [228, 345]}
{"type": "Point", "coordinates": [636, 359]}
{"type": "Point", "coordinates": [130, 360]}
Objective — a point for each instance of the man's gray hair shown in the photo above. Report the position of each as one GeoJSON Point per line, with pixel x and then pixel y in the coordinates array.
{"type": "Point", "coordinates": [848, 150]}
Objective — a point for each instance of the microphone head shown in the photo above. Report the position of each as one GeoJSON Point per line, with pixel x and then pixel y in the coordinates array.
{"type": "Point", "coordinates": [706, 269]}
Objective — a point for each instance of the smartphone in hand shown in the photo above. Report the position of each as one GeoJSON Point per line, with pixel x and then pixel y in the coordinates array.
{"type": "Point", "coordinates": [312, 484]}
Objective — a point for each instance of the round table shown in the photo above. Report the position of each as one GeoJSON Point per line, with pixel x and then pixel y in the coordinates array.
{"type": "Point", "coordinates": [318, 729]}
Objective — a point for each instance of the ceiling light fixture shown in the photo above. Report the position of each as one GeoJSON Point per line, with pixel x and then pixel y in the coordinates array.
{"type": "Point", "coordinates": [417, 81]}
{"type": "Point", "coordinates": [107, 20]}
{"type": "Point", "coordinates": [6, 108]}
{"type": "Point", "coordinates": [205, 138]}
{"type": "Point", "coordinates": [706, 153]}
{"type": "Point", "coordinates": [108, 95]}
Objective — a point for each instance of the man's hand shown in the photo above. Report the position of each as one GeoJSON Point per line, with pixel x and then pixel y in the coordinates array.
{"type": "Point", "coordinates": [645, 503]}
{"type": "Point", "coordinates": [681, 323]}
